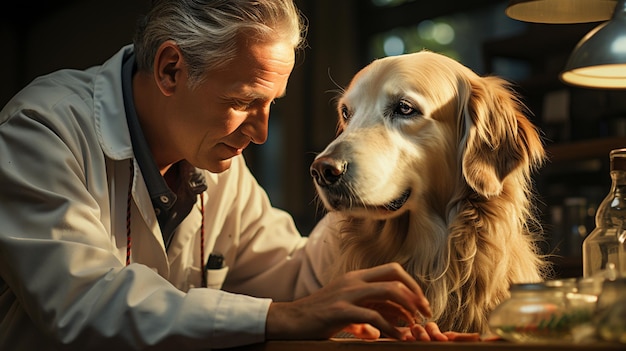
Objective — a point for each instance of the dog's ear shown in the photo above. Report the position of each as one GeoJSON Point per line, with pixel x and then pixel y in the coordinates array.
{"type": "Point", "coordinates": [499, 137]}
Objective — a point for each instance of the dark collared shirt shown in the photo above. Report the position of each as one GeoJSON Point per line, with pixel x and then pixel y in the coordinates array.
{"type": "Point", "coordinates": [170, 207]}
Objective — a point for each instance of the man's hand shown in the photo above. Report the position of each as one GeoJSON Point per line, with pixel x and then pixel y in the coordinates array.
{"type": "Point", "coordinates": [430, 331]}
{"type": "Point", "coordinates": [365, 302]}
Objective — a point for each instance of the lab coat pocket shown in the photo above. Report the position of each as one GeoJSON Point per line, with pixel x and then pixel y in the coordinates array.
{"type": "Point", "coordinates": [215, 277]}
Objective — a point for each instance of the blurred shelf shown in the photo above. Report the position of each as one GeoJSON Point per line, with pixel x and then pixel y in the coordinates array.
{"type": "Point", "coordinates": [584, 149]}
{"type": "Point", "coordinates": [538, 42]}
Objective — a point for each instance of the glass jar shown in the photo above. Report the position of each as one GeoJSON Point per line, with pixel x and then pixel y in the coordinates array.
{"type": "Point", "coordinates": [551, 311]}
{"type": "Point", "coordinates": [582, 306]}
{"type": "Point", "coordinates": [535, 312]}
{"type": "Point", "coordinates": [610, 317]}
{"type": "Point", "coordinates": [607, 242]}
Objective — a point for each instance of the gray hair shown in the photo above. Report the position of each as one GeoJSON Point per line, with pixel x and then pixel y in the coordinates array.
{"type": "Point", "coordinates": [206, 31]}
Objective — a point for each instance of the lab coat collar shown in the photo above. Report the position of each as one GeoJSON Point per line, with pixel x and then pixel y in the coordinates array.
{"type": "Point", "coordinates": [109, 108]}
{"type": "Point", "coordinates": [115, 141]}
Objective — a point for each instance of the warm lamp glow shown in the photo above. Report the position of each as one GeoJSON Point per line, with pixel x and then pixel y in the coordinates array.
{"type": "Point", "coordinates": [560, 11]}
{"type": "Point", "coordinates": [605, 76]}
{"type": "Point", "coordinates": [599, 59]}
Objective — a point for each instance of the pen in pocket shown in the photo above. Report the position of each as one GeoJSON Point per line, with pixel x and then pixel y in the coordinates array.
{"type": "Point", "coordinates": [215, 261]}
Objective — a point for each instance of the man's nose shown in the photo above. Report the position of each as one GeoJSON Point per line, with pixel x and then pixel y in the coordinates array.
{"type": "Point", "coordinates": [256, 125]}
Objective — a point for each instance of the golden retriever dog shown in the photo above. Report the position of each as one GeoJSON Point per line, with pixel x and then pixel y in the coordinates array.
{"type": "Point", "coordinates": [432, 169]}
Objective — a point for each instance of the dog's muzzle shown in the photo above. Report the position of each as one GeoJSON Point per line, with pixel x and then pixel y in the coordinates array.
{"type": "Point", "coordinates": [328, 173]}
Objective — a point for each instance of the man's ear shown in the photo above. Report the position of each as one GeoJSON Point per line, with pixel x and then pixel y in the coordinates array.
{"type": "Point", "coordinates": [168, 67]}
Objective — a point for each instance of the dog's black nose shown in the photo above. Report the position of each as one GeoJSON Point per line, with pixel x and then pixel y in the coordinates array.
{"type": "Point", "coordinates": [327, 171]}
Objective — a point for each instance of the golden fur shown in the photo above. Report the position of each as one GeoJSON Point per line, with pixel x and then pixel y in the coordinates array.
{"type": "Point", "coordinates": [460, 147]}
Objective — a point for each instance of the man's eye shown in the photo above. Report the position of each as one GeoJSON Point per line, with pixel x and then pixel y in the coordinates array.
{"type": "Point", "coordinates": [240, 105]}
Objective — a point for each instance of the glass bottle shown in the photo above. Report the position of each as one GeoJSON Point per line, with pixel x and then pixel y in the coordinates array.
{"type": "Point", "coordinates": [607, 242]}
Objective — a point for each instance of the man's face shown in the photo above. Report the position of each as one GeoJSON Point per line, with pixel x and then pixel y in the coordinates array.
{"type": "Point", "coordinates": [230, 108]}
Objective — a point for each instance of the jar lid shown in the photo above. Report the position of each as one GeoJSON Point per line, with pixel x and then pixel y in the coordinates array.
{"type": "Point", "coordinates": [566, 284]}
{"type": "Point", "coordinates": [530, 287]}
{"type": "Point", "coordinates": [618, 159]}
{"type": "Point", "coordinates": [543, 286]}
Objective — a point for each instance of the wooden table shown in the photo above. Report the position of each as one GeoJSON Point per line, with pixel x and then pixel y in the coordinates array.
{"type": "Point", "coordinates": [390, 345]}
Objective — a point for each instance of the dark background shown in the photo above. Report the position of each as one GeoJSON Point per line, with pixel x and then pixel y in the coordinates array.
{"type": "Point", "coordinates": [580, 126]}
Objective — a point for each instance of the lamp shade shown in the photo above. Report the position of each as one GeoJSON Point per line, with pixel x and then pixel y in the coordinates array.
{"type": "Point", "coordinates": [599, 59]}
{"type": "Point", "coordinates": [560, 11]}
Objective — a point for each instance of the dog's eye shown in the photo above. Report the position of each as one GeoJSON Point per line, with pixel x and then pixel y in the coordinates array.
{"type": "Point", "coordinates": [404, 108]}
{"type": "Point", "coordinates": [345, 113]}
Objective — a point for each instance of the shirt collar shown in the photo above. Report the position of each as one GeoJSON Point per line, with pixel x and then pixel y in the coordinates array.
{"type": "Point", "coordinates": [162, 197]}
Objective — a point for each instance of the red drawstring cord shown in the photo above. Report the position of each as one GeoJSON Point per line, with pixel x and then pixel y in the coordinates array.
{"type": "Point", "coordinates": [202, 265]}
{"type": "Point", "coordinates": [128, 202]}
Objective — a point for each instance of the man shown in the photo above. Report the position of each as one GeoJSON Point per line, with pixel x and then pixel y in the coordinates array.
{"type": "Point", "coordinates": [126, 204]}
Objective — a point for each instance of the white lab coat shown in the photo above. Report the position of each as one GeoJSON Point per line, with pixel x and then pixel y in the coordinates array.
{"type": "Point", "coordinates": [65, 154]}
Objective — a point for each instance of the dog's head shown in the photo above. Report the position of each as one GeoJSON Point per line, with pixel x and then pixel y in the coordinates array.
{"type": "Point", "coordinates": [419, 126]}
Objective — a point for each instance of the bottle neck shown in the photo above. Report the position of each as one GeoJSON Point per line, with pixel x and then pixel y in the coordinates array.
{"type": "Point", "coordinates": [614, 204]}
{"type": "Point", "coordinates": [618, 178]}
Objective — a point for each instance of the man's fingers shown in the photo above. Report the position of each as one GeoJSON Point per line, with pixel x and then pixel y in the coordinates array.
{"type": "Point", "coordinates": [433, 330]}
{"type": "Point", "coordinates": [361, 316]}
{"type": "Point", "coordinates": [420, 333]}
{"type": "Point", "coordinates": [363, 331]}
{"type": "Point", "coordinates": [428, 332]}
{"type": "Point", "coordinates": [455, 336]}
{"type": "Point", "coordinates": [396, 284]}
{"type": "Point", "coordinates": [394, 313]}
